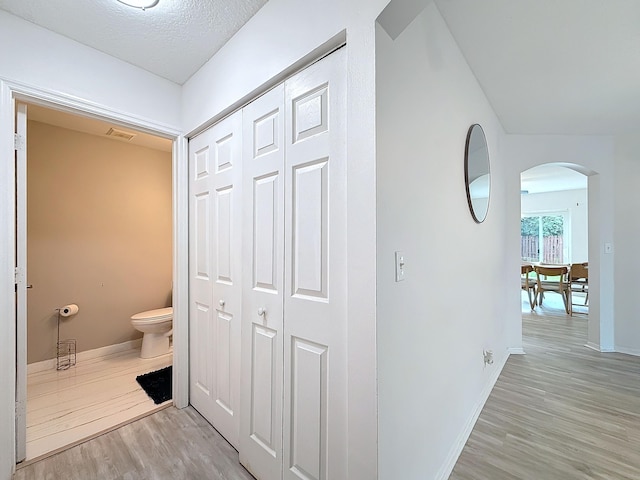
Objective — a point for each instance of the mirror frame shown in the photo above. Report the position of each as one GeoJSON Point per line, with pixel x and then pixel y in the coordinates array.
{"type": "Point", "coordinates": [466, 172]}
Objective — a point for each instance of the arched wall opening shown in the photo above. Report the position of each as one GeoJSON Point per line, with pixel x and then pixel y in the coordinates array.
{"type": "Point", "coordinates": [590, 156]}
{"type": "Point", "coordinates": [554, 210]}
{"type": "Point", "coordinates": [554, 225]}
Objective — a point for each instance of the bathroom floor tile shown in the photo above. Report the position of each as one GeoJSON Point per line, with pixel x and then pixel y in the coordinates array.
{"type": "Point", "coordinates": [67, 407]}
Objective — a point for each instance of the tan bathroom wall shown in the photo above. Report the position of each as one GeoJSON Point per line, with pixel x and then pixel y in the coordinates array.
{"type": "Point", "coordinates": [99, 226]}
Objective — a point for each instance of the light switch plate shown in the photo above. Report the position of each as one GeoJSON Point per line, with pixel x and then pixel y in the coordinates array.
{"type": "Point", "coordinates": [400, 266]}
{"type": "Point", "coordinates": [608, 248]}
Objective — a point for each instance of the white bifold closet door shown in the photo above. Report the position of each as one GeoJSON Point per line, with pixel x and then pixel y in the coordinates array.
{"type": "Point", "coordinates": [268, 271]}
{"type": "Point", "coordinates": [215, 169]}
{"type": "Point", "coordinates": [315, 306]}
{"type": "Point", "coordinates": [294, 348]}
{"type": "Point", "coordinates": [263, 280]}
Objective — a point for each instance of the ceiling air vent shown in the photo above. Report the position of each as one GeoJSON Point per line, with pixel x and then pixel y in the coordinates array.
{"type": "Point", "coordinates": [120, 134]}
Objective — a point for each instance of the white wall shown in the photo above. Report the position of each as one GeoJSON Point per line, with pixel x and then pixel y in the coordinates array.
{"type": "Point", "coordinates": [574, 202]}
{"type": "Point", "coordinates": [593, 156]}
{"type": "Point", "coordinates": [279, 36]}
{"type": "Point", "coordinates": [38, 57]}
{"type": "Point", "coordinates": [276, 40]}
{"type": "Point", "coordinates": [434, 326]}
{"type": "Point", "coordinates": [50, 64]}
{"type": "Point", "coordinates": [627, 243]}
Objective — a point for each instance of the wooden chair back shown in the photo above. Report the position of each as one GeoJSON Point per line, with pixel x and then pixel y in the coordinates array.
{"type": "Point", "coordinates": [579, 274]}
{"type": "Point", "coordinates": [528, 284]}
{"type": "Point", "coordinates": [547, 271]}
{"type": "Point", "coordinates": [561, 286]}
{"type": "Point", "coordinates": [525, 271]}
{"type": "Point", "coordinates": [579, 271]}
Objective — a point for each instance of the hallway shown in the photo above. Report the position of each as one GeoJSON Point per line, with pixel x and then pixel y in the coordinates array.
{"type": "Point", "coordinates": [562, 411]}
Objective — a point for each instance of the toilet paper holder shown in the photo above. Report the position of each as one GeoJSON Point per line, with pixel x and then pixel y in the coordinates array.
{"type": "Point", "coordinates": [65, 349]}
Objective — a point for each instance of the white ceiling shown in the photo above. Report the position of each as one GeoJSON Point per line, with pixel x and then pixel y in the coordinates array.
{"type": "Point", "coordinates": [173, 39]}
{"type": "Point", "coordinates": [551, 178]}
{"type": "Point", "coordinates": [546, 66]}
{"type": "Point", "coordinates": [554, 66]}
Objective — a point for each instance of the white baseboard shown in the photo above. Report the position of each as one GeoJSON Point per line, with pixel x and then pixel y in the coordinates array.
{"type": "Point", "coordinates": [516, 351]}
{"type": "Point", "coordinates": [41, 366]}
{"type": "Point", "coordinates": [627, 351]}
{"type": "Point", "coordinates": [592, 346]}
{"type": "Point", "coordinates": [458, 446]}
{"type": "Point", "coordinates": [87, 355]}
{"type": "Point", "coordinates": [598, 348]}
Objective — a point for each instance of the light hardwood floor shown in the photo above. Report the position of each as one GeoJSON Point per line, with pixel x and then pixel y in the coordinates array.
{"type": "Point", "coordinates": [560, 412]}
{"type": "Point", "coordinates": [99, 394]}
{"type": "Point", "coordinates": [169, 445]}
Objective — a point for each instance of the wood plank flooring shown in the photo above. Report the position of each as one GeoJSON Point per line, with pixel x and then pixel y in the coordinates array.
{"type": "Point", "coordinates": [169, 445]}
{"type": "Point", "coordinates": [562, 411]}
{"type": "Point", "coordinates": [68, 406]}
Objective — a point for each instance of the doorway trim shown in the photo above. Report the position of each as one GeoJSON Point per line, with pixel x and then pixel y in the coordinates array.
{"type": "Point", "coordinates": [10, 93]}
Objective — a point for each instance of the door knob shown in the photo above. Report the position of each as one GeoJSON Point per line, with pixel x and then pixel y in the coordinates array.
{"type": "Point", "coordinates": [29, 286]}
{"type": "Point", "coordinates": [221, 303]}
{"type": "Point", "coordinates": [262, 311]}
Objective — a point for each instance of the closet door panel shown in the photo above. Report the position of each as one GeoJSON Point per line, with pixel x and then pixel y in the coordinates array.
{"type": "Point", "coordinates": [223, 227]}
{"type": "Point", "coordinates": [308, 440]}
{"type": "Point", "coordinates": [224, 360]}
{"type": "Point", "coordinates": [202, 214]}
{"type": "Point", "coordinates": [265, 239]}
{"type": "Point", "coordinates": [263, 389]}
{"type": "Point", "coordinates": [215, 256]}
{"type": "Point", "coordinates": [309, 228]}
{"type": "Point", "coordinates": [315, 327]}
{"type": "Point", "coordinates": [200, 361]}
{"type": "Point", "coordinates": [263, 249]}
{"type": "Point", "coordinates": [201, 275]}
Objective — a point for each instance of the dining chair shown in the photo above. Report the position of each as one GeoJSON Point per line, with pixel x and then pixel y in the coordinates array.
{"type": "Point", "coordinates": [579, 275]}
{"type": "Point", "coordinates": [559, 283]}
{"type": "Point", "coordinates": [528, 284]}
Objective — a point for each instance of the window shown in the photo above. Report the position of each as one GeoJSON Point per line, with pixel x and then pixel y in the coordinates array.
{"type": "Point", "coordinates": [544, 237]}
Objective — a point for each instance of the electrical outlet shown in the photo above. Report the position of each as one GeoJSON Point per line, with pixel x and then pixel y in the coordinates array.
{"type": "Point", "coordinates": [488, 357]}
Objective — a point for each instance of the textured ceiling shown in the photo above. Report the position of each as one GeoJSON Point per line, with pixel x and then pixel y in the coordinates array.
{"type": "Point", "coordinates": [173, 39]}
{"type": "Point", "coordinates": [553, 66]}
{"type": "Point", "coordinates": [546, 66]}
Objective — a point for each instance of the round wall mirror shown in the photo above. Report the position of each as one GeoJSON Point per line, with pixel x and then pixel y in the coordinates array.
{"type": "Point", "coordinates": [477, 174]}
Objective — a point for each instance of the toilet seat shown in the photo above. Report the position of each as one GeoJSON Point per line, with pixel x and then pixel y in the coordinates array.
{"type": "Point", "coordinates": [154, 316]}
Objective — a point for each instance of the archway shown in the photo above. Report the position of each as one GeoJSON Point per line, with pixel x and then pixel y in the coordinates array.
{"type": "Point", "coordinates": [554, 227]}
{"type": "Point", "coordinates": [573, 176]}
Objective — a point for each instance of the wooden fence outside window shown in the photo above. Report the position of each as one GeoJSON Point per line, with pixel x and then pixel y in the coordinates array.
{"type": "Point", "coordinates": [551, 249]}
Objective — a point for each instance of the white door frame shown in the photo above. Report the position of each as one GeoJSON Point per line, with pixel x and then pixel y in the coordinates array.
{"type": "Point", "coordinates": [20, 279]}
{"type": "Point", "coordinates": [10, 92]}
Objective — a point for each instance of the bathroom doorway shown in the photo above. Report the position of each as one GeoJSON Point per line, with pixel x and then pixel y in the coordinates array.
{"type": "Point", "coordinates": [99, 235]}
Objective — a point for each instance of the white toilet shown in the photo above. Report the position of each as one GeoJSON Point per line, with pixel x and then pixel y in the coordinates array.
{"type": "Point", "coordinates": [156, 325]}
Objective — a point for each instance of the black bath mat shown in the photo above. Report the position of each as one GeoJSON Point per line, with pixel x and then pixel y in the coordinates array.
{"type": "Point", "coordinates": [157, 384]}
